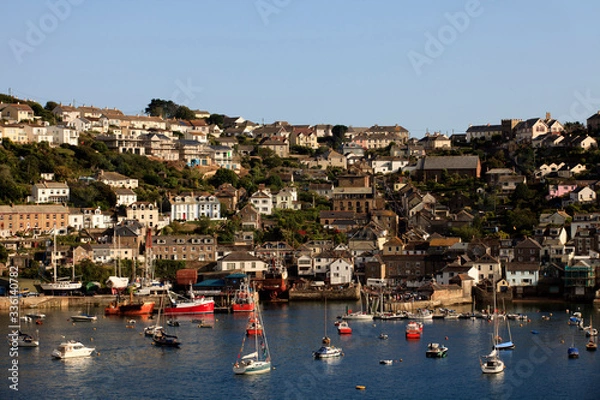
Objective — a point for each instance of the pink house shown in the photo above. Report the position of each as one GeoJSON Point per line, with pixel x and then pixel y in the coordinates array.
{"type": "Point", "coordinates": [560, 190]}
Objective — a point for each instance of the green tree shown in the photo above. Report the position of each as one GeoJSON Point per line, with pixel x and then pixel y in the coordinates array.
{"type": "Point", "coordinates": [185, 113]}
{"type": "Point", "coordinates": [223, 175]}
{"type": "Point", "coordinates": [216, 119]}
{"type": "Point", "coordinates": [161, 108]}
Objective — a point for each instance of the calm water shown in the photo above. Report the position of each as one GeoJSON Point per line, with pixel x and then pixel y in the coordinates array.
{"type": "Point", "coordinates": [128, 366]}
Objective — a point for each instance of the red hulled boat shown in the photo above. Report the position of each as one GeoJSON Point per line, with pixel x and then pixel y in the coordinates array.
{"type": "Point", "coordinates": [243, 300]}
{"type": "Point", "coordinates": [129, 308]}
{"type": "Point", "coordinates": [253, 327]}
{"type": "Point", "coordinates": [193, 305]}
{"type": "Point", "coordinates": [414, 330]}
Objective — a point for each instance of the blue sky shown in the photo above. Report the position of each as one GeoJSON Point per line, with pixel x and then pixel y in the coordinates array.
{"type": "Point", "coordinates": [426, 65]}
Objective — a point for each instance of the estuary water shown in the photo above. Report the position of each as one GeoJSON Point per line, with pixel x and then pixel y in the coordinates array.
{"type": "Point", "coordinates": [127, 366]}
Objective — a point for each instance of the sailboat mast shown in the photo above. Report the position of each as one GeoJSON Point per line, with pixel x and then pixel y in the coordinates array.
{"type": "Point", "coordinates": [54, 256]}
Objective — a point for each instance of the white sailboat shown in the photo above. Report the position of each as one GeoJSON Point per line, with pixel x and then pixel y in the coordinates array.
{"type": "Point", "coordinates": [259, 360]}
{"type": "Point", "coordinates": [491, 363]}
{"type": "Point", "coordinates": [360, 315]}
{"type": "Point", "coordinates": [62, 284]}
{"type": "Point", "coordinates": [327, 350]}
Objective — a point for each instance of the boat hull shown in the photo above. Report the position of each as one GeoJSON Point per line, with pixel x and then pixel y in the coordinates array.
{"type": "Point", "coordinates": [145, 308]}
{"type": "Point", "coordinates": [84, 318]}
{"type": "Point", "coordinates": [328, 352]}
{"type": "Point", "coordinates": [254, 368]}
{"type": "Point", "coordinates": [190, 309]}
{"type": "Point", "coordinates": [242, 307]}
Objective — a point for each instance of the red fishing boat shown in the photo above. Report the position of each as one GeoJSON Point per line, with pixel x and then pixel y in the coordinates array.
{"type": "Point", "coordinates": [414, 330]}
{"type": "Point", "coordinates": [193, 305]}
{"type": "Point", "coordinates": [254, 327]}
{"type": "Point", "coordinates": [243, 300]}
{"type": "Point", "coordinates": [274, 286]}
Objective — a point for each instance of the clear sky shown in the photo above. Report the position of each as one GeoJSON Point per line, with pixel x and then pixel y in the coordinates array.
{"type": "Point", "coordinates": [426, 65]}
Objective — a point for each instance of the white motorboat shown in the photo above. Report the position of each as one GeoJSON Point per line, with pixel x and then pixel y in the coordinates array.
{"type": "Point", "coordinates": [83, 318]}
{"type": "Point", "coordinates": [72, 349]}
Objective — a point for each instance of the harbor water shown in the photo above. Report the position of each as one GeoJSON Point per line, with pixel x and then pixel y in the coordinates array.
{"type": "Point", "coordinates": [127, 366]}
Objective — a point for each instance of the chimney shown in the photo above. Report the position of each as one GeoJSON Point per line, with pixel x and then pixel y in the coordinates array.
{"type": "Point", "coordinates": [548, 115]}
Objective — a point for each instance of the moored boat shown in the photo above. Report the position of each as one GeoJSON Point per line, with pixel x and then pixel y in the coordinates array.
{"type": "Point", "coordinates": [84, 318]}
{"type": "Point", "coordinates": [129, 308]}
{"type": "Point", "coordinates": [436, 350]}
{"type": "Point", "coordinates": [72, 349]}
{"type": "Point", "coordinates": [327, 350]}
{"type": "Point", "coordinates": [258, 361]}
{"type": "Point", "coordinates": [21, 339]}
{"type": "Point", "coordinates": [193, 305]}
{"type": "Point", "coordinates": [414, 330]}
{"type": "Point", "coordinates": [343, 328]}
{"type": "Point", "coordinates": [254, 327]}
{"type": "Point", "coordinates": [573, 352]}
{"type": "Point", "coordinates": [243, 299]}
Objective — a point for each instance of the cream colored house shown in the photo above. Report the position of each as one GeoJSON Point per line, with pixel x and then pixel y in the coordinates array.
{"type": "Point", "coordinates": [17, 112]}
{"type": "Point", "coordinates": [14, 132]}
{"type": "Point", "coordinates": [144, 212]}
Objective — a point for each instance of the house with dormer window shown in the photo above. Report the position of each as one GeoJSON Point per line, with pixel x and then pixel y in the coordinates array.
{"type": "Point", "coordinates": [191, 206]}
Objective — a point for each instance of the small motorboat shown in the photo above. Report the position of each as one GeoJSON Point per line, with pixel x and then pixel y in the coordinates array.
{"type": "Point", "coordinates": [72, 349]}
{"type": "Point", "coordinates": [436, 350]}
{"type": "Point", "coordinates": [383, 336]}
{"type": "Point", "coordinates": [573, 352]}
{"type": "Point", "coordinates": [386, 362]}
{"type": "Point", "coordinates": [83, 318]}
{"type": "Point", "coordinates": [343, 328]}
{"type": "Point", "coordinates": [172, 323]}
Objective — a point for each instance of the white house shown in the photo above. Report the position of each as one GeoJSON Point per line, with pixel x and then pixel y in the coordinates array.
{"type": "Point", "coordinates": [50, 192]}
{"type": "Point", "coordinates": [487, 267]}
{"type": "Point", "coordinates": [63, 135]}
{"type": "Point", "coordinates": [190, 207]}
{"type": "Point", "coordinates": [582, 195]}
{"type": "Point", "coordinates": [341, 271]}
{"type": "Point", "coordinates": [305, 267]}
{"type": "Point", "coordinates": [287, 199]}
{"type": "Point", "coordinates": [125, 196]}
{"type": "Point", "coordinates": [37, 133]}
{"type": "Point", "coordinates": [262, 201]}
{"type": "Point", "coordinates": [115, 180]}
{"type": "Point", "coordinates": [452, 270]}
{"type": "Point", "coordinates": [522, 274]}
{"type": "Point", "coordinates": [241, 261]}
{"type": "Point", "coordinates": [90, 218]}
{"type": "Point", "coordinates": [388, 164]}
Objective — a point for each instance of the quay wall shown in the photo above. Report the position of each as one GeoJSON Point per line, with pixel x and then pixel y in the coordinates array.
{"type": "Point", "coordinates": [58, 302]}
